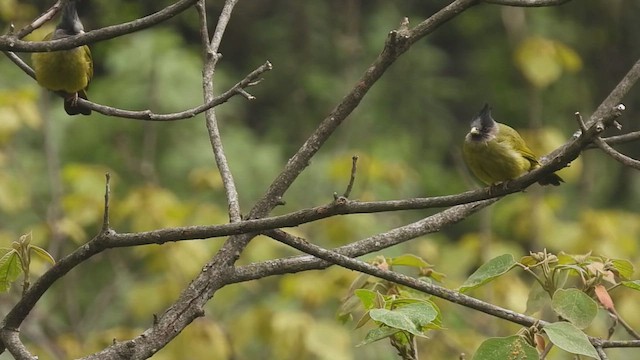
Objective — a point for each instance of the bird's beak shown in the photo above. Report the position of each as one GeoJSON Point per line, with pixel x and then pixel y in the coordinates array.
{"type": "Point", "coordinates": [474, 131]}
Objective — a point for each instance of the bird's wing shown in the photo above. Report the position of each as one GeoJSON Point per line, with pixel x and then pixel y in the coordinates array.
{"type": "Point", "coordinates": [517, 142]}
{"type": "Point", "coordinates": [87, 54]}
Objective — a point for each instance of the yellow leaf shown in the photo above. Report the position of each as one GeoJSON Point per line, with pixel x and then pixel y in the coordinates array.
{"type": "Point", "coordinates": [542, 61]}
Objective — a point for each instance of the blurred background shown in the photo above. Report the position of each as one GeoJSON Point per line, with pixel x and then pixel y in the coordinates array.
{"type": "Point", "coordinates": [536, 67]}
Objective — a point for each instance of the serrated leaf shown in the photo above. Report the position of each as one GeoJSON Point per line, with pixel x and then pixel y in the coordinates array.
{"type": "Point", "coordinates": [409, 260]}
{"type": "Point", "coordinates": [623, 267]}
{"type": "Point", "coordinates": [411, 318]}
{"type": "Point", "coordinates": [507, 348]}
{"type": "Point", "coordinates": [378, 334]}
{"type": "Point", "coordinates": [42, 253]}
{"type": "Point", "coordinates": [574, 306]}
{"type": "Point", "coordinates": [569, 338]}
{"type": "Point", "coordinates": [635, 284]}
{"type": "Point", "coordinates": [489, 271]}
{"type": "Point", "coordinates": [10, 269]}
{"type": "Point", "coordinates": [367, 298]}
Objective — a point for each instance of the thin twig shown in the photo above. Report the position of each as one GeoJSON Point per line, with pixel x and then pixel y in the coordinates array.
{"type": "Point", "coordinates": [352, 179]}
{"type": "Point", "coordinates": [630, 330]}
{"type": "Point", "coordinates": [601, 353]}
{"type": "Point", "coordinates": [39, 21]}
{"type": "Point", "coordinates": [107, 198]}
{"type": "Point", "coordinates": [621, 158]}
{"type": "Point", "coordinates": [210, 59]}
{"type": "Point", "coordinates": [622, 139]}
{"type": "Point", "coordinates": [148, 115]}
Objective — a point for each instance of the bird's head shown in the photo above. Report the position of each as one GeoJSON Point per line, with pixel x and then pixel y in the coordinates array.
{"type": "Point", "coordinates": [483, 127]}
{"type": "Point", "coordinates": [70, 23]}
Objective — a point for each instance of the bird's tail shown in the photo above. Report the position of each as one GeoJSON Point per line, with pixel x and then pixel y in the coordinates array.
{"type": "Point", "coordinates": [551, 179]}
{"type": "Point", "coordinates": [72, 107]}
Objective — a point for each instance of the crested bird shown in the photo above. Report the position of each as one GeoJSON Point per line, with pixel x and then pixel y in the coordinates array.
{"type": "Point", "coordinates": [496, 153]}
{"type": "Point", "coordinates": [67, 71]}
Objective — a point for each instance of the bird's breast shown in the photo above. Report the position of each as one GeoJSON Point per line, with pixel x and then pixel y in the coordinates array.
{"type": "Point", "coordinates": [62, 70]}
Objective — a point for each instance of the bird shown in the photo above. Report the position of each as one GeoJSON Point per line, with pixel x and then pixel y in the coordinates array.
{"type": "Point", "coordinates": [67, 71]}
{"type": "Point", "coordinates": [496, 153]}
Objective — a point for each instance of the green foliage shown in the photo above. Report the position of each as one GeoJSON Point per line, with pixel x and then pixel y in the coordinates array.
{"type": "Point", "coordinates": [569, 338]}
{"type": "Point", "coordinates": [17, 260]}
{"type": "Point", "coordinates": [574, 306]}
{"type": "Point", "coordinates": [407, 132]}
{"type": "Point", "coordinates": [397, 313]}
{"type": "Point", "coordinates": [509, 348]}
{"type": "Point", "coordinates": [489, 271]}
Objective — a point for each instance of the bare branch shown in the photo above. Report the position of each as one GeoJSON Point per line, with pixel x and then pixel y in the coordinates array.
{"type": "Point", "coordinates": [12, 342]}
{"type": "Point", "coordinates": [431, 224]}
{"type": "Point", "coordinates": [604, 113]}
{"type": "Point", "coordinates": [210, 59]}
{"type": "Point", "coordinates": [147, 115]}
{"type": "Point", "coordinates": [621, 139]}
{"type": "Point", "coordinates": [21, 64]}
{"type": "Point", "coordinates": [12, 43]}
{"type": "Point", "coordinates": [432, 289]}
{"type": "Point", "coordinates": [38, 22]}
{"type": "Point", "coordinates": [621, 158]}
{"type": "Point", "coordinates": [527, 3]}
{"type": "Point", "coordinates": [352, 178]}
{"type": "Point", "coordinates": [601, 353]}
{"type": "Point", "coordinates": [107, 195]}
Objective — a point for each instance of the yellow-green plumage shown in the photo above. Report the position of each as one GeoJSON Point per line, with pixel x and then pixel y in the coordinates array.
{"type": "Point", "coordinates": [69, 71]}
{"type": "Point", "coordinates": [496, 153]}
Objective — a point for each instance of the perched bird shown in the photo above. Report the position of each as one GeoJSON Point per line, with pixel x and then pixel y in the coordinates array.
{"type": "Point", "coordinates": [496, 153]}
{"type": "Point", "coordinates": [68, 71]}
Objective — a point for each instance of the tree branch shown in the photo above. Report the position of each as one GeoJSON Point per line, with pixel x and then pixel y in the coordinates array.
{"type": "Point", "coordinates": [210, 58]}
{"type": "Point", "coordinates": [432, 289]}
{"type": "Point", "coordinates": [431, 224]}
{"type": "Point", "coordinates": [147, 115]}
{"type": "Point", "coordinates": [13, 43]}
{"type": "Point", "coordinates": [527, 3]}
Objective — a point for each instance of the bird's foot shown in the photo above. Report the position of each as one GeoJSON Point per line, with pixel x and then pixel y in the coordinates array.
{"type": "Point", "coordinates": [498, 186]}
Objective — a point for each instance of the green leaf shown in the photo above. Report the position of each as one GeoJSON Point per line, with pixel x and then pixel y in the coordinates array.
{"type": "Point", "coordinates": [10, 268]}
{"type": "Point", "coordinates": [574, 306]}
{"type": "Point", "coordinates": [537, 298]}
{"type": "Point", "coordinates": [411, 318]}
{"type": "Point", "coordinates": [569, 338]}
{"type": "Point", "coordinates": [378, 334]}
{"type": "Point", "coordinates": [635, 284]}
{"type": "Point", "coordinates": [489, 271]}
{"type": "Point", "coordinates": [507, 348]}
{"type": "Point", "coordinates": [367, 298]}
{"type": "Point", "coordinates": [409, 260]}
{"type": "Point", "coordinates": [42, 253]}
{"type": "Point", "coordinates": [624, 268]}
